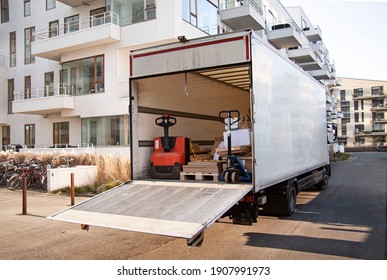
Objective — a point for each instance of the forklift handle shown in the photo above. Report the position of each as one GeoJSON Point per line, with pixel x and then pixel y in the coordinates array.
{"type": "Point", "coordinates": [165, 121]}
{"type": "Point", "coordinates": [229, 114]}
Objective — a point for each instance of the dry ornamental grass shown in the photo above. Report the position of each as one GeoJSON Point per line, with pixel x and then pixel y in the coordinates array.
{"type": "Point", "coordinates": [111, 170]}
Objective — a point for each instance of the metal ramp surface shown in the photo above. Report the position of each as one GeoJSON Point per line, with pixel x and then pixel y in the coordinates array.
{"type": "Point", "coordinates": [179, 209]}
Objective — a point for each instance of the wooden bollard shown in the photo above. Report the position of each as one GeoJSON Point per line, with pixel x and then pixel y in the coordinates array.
{"type": "Point", "coordinates": [24, 210]}
{"type": "Point", "coordinates": [72, 190]}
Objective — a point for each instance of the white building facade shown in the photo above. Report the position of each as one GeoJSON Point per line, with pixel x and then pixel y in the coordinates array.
{"type": "Point", "coordinates": [64, 64]}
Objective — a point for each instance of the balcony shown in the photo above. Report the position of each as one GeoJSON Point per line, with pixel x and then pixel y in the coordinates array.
{"type": "Point", "coordinates": [242, 16]}
{"type": "Point", "coordinates": [302, 55]}
{"type": "Point", "coordinates": [310, 66]}
{"type": "Point", "coordinates": [75, 3]}
{"type": "Point", "coordinates": [379, 120]}
{"type": "Point", "coordinates": [371, 133]}
{"type": "Point", "coordinates": [284, 36]}
{"type": "Point", "coordinates": [380, 108]}
{"type": "Point", "coordinates": [313, 34]}
{"type": "Point", "coordinates": [321, 74]}
{"type": "Point", "coordinates": [332, 83]}
{"type": "Point", "coordinates": [380, 94]}
{"type": "Point", "coordinates": [43, 101]}
{"type": "Point", "coordinates": [96, 30]}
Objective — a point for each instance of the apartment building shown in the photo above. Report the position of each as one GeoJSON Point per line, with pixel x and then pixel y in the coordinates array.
{"type": "Point", "coordinates": [64, 64]}
{"type": "Point", "coordinates": [363, 104]}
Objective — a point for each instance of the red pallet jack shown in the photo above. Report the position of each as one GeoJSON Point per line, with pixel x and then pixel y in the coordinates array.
{"type": "Point", "coordinates": [169, 153]}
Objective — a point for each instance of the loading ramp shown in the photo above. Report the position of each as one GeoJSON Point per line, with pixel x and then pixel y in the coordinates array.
{"type": "Point", "coordinates": [173, 208]}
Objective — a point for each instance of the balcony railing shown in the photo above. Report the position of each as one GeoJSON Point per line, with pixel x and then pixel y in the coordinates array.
{"type": "Point", "coordinates": [77, 25]}
{"type": "Point", "coordinates": [369, 95]}
{"type": "Point", "coordinates": [282, 25]}
{"type": "Point", "coordinates": [379, 107]}
{"type": "Point", "coordinates": [313, 34]}
{"type": "Point", "coordinates": [230, 4]}
{"type": "Point", "coordinates": [47, 91]}
{"type": "Point", "coordinates": [284, 34]}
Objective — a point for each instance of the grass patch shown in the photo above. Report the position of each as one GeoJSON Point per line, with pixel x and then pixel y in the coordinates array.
{"type": "Point", "coordinates": [340, 156]}
{"type": "Point", "coordinates": [88, 190]}
{"type": "Point", "coordinates": [78, 191]}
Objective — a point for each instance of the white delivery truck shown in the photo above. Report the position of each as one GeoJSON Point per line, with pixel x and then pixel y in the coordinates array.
{"type": "Point", "coordinates": [194, 81]}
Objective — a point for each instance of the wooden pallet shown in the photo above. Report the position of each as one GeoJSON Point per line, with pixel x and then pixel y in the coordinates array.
{"type": "Point", "coordinates": [199, 176]}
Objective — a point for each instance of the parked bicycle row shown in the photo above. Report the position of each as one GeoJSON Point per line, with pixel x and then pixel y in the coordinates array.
{"type": "Point", "coordinates": [13, 173]}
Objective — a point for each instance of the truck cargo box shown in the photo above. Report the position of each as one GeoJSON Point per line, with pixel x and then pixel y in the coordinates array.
{"type": "Point", "coordinates": [193, 81]}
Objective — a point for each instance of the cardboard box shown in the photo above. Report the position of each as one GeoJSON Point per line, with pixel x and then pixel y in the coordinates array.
{"type": "Point", "coordinates": [234, 150]}
{"type": "Point", "coordinates": [239, 137]}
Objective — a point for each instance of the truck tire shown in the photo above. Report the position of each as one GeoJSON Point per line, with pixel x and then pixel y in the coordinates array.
{"type": "Point", "coordinates": [323, 184]}
{"type": "Point", "coordinates": [282, 204]}
{"type": "Point", "coordinates": [290, 200]}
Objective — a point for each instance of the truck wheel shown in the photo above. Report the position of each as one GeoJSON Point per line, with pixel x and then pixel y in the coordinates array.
{"type": "Point", "coordinates": [323, 184]}
{"type": "Point", "coordinates": [290, 200]}
{"type": "Point", "coordinates": [283, 202]}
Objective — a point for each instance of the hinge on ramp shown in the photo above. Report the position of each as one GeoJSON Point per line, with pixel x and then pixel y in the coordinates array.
{"type": "Point", "coordinates": [196, 240]}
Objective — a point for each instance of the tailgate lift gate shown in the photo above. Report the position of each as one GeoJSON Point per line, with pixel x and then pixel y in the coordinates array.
{"type": "Point", "coordinates": [178, 209]}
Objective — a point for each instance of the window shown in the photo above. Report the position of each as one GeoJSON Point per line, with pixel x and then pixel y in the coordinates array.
{"type": "Point", "coordinates": [83, 76]}
{"type": "Point", "coordinates": [29, 34]}
{"type": "Point", "coordinates": [50, 4]}
{"type": "Point", "coordinates": [97, 17]}
{"type": "Point", "coordinates": [11, 88]}
{"type": "Point", "coordinates": [344, 129]}
{"type": "Point", "coordinates": [104, 131]}
{"type": "Point", "coordinates": [6, 135]}
{"type": "Point", "coordinates": [378, 127]}
{"type": "Point", "coordinates": [61, 133]}
{"type": "Point", "coordinates": [27, 87]}
{"type": "Point", "coordinates": [12, 49]}
{"type": "Point", "coordinates": [356, 105]}
{"type": "Point", "coordinates": [49, 84]}
{"type": "Point", "coordinates": [356, 117]}
{"type": "Point", "coordinates": [359, 140]}
{"type": "Point", "coordinates": [377, 102]}
{"type": "Point", "coordinates": [4, 11]}
{"type": "Point", "coordinates": [378, 116]}
{"type": "Point", "coordinates": [29, 135]}
{"type": "Point", "coordinates": [71, 24]}
{"type": "Point", "coordinates": [143, 10]}
{"type": "Point", "coordinates": [359, 128]}
{"type": "Point", "coordinates": [53, 27]}
{"type": "Point", "coordinates": [358, 92]}
{"type": "Point", "coordinates": [345, 110]}
{"type": "Point", "coordinates": [27, 8]}
{"type": "Point", "coordinates": [202, 14]}
{"type": "Point", "coordinates": [150, 9]}
{"type": "Point", "coordinates": [377, 90]}
{"type": "Point", "coordinates": [132, 11]}
{"type": "Point", "coordinates": [342, 95]}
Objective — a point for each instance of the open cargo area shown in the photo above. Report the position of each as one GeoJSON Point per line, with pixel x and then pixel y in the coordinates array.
{"type": "Point", "coordinates": [282, 136]}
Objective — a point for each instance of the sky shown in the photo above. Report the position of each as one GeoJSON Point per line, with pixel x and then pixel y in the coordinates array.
{"type": "Point", "coordinates": [354, 32]}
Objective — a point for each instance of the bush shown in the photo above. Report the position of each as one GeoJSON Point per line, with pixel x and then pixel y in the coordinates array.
{"type": "Point", "coordinates": [340, 156]}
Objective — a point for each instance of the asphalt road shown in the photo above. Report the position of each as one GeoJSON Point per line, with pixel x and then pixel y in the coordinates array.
{"type": "Point", "coordinates": [346, 221]}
